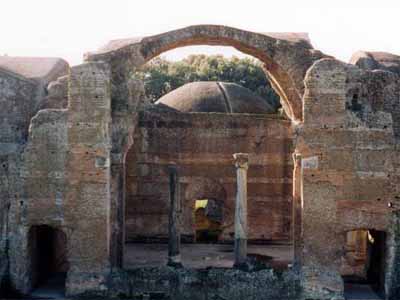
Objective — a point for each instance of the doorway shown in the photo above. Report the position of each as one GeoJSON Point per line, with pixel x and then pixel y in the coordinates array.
{"type": "Point", "coordinates": [376, 270]}
{"type": "Point", "coordinates": [363, 269]}
{"type": "Point", "coordinates": [49, 264]}
{"type": "Point", "coordinates": [208, 215]}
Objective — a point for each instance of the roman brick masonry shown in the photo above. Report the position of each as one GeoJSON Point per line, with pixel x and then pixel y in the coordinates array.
{"type": "Point", "coordinates": [91, 171]}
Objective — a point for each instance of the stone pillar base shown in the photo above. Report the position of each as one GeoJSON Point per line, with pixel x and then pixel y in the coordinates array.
{"type": "Point", "coordinates": [240, 253]}
{"type": "Point", "coordinates": [175, 261]}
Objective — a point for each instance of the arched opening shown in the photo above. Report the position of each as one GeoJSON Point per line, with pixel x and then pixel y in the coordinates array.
{"type": "Point", "coordinates": [206, 213]}
{"type": "Point", "coordinates": [363, 264]}
{"type": "Point", "coordinates": [284, 83]}
{"type": "Point", "coordinates": [49, 261]}
{"type": "Point", "coordinates": [208, 220]}
{"type": "Point", "coordinates": [225, 66]}
{"type": "Point", "coordinates": [201, 145]}
{"type": "Point", "coordinates": [286, 58]}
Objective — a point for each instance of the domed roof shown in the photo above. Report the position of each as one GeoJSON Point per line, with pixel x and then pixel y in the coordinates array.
{"type": "Point", "coordinates": [211, 96]}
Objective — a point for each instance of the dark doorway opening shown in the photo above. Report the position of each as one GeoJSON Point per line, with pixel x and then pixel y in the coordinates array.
{"type": "Point", "coordinates": [208, 220]}
{"type": "Point", "coordinates": [364, 264]}
{"type": "Point", "coordinates": [376, 270]}
{"type": "Point", "coordinates": [49, 264]}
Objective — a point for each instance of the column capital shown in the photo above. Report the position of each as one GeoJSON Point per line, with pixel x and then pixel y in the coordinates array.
{"type": "Point", "coordinates": [297, 157]}
{"type": "Point", "coordinates": [241, 160]}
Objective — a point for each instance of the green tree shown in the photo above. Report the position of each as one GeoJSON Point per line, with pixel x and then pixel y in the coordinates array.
{"type": "Point", "coordinates": [161, 76]}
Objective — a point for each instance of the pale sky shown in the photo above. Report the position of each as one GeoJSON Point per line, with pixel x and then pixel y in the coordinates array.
{"type": "Point", "coordinates": [69, 28]}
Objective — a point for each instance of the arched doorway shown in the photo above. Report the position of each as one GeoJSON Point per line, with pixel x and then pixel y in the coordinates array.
{"type": "Point", "coordinates": [205, 211]}
{"type": "Point", "coordinates": [201, 146]}
{"type": "Point", "coordinates": [208, 220]}
{"type": "Point", "coordinates": [49, 260]}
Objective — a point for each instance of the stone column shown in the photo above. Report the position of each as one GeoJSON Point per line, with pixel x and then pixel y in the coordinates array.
{"type": "Point", "coordinates": [174, 236]}
{"type": "Point", "coordinates": [241, 163]}
{"type": "Point", "coordinates": [296, 209]}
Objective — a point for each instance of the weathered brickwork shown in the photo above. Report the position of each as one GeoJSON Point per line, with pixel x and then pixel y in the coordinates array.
{"type": "Point", "coordinates": [350, 168]}
{"type": "Point", "coordinates": [74, 167]}
{"type": "Point", "coordinates": [201, 145]}
{"type": "Point", "coordinates": [21, 97]}
{"type": "Point", "coordinates": [65, 177]}
{"type": "Point", "coordinates": [17, 94]}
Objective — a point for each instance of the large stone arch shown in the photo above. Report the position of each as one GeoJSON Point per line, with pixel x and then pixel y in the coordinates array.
{"type": "Point", "coordinates": [286, 57]}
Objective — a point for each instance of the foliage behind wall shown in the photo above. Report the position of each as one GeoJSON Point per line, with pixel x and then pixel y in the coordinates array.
{"type": "Point", "coordinates": [162, 76]}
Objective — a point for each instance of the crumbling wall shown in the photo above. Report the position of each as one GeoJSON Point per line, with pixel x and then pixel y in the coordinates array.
{"type": "Point", "coordinates": [57, 94]}
{"type": "Point", "coordinates": [18, 100]}
{"type": "Point", "coordinates": [212, 283]}
{"type": "Point", "coordinates": [40, 200]}
{"type": "Point", "coordinates": [202, 145]}
{"type": "Point", "coordinates": [348, 146]}
{"type": "Point", "coordinates": [65, 182]}
{"type": "Point", "coordinates": [73, 169]}
{"type": "Point", "coordinates": [376, 61]}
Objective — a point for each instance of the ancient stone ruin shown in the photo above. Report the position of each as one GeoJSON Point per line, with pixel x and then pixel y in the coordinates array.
{"type": "Point", "coordinates": [117, 197]}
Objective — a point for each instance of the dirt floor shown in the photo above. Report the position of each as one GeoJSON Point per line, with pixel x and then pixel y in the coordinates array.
{"type": "Point", "coordinates": [205, 255]}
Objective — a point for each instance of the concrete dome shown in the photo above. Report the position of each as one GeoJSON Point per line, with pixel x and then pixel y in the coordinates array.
{"type": "Point", "coordinates": [211, 96]}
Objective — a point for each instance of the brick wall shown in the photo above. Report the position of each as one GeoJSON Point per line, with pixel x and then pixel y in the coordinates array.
{"type": "Point", "coordinates": [202, 146]}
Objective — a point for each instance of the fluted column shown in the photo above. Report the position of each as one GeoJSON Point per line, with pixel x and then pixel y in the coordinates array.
{"type": "Point", "coordinates": [174, 235]}
{"type": "Point", "coordinates": [241, 163]}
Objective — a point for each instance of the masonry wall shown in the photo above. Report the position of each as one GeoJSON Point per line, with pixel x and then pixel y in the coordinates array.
{"type": "Point", "coordinates": [19, 102]}
{"type": "Point", "coordinates": [20, 99]}
{"type": "Point", "coordinates": [70, 174]}
{"type": "Point", "coordinates": [350, 168]}
{"type": "Point", "coordinates": [65, 183]}
{"type": "Point", "coordinates": [202, 145]}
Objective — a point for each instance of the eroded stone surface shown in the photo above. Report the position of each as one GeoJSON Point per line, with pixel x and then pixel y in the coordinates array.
{"type": "Point", "coordinates": [202, 284]}
{"type": "Point", "coordinates": [66, 167]}
{"type": "Point", "coordinates": [376, 61]}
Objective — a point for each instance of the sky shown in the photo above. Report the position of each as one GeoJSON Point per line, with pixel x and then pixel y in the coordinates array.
{"type": "Point", "coordinates": [69, 28]}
